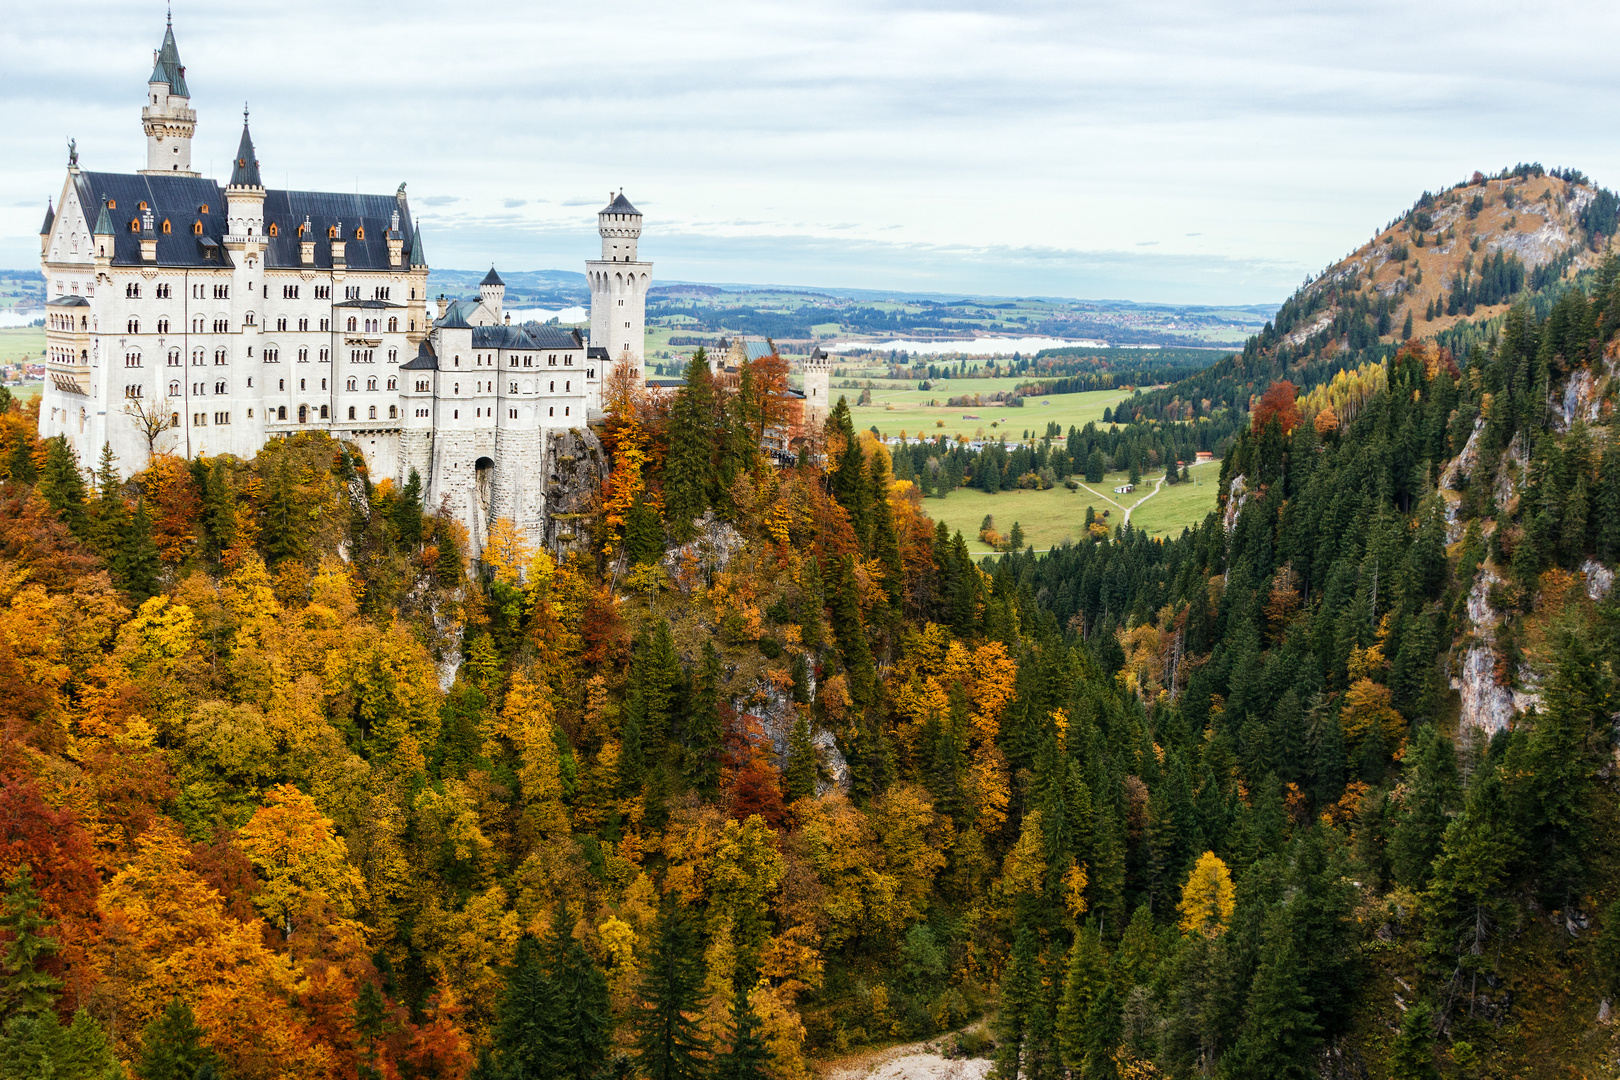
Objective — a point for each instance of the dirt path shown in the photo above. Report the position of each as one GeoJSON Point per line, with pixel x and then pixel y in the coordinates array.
{"type": "Point", "coordinates": [913, 1061]}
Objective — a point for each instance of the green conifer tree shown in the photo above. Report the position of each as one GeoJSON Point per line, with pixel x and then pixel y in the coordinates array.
{"type": "Point", "coordinates": [137, 562]}
{"type": "Point", "coordinates": [668, 1042]}
{"type": "Point", "coordinates": [701, 763]}
{"type": "Point", "coordinates": [108, 517]}
{"type": "Point", "coordinates": [525, 1017]}
{"type": "Point", "coordinates": [1411, 1054]}
{"type": "Point", "coordinates": [25, 990]}
{"type": "Point", "coordinates": [849, 482]}
{"type": "Point", "coordinates": [1083, 980]}
{"type": "Point", "coordinates": [1020, 990]}
{"type": "Point", "coordinates": [580, 1032]}
{"type": "Point", "coordinates": [40, 1048]}
{"type": "Point", "coordinates": [748, 1058]}
{"type": "Point", "coordinates": [62, 487]}
{"type": "Point", "coordinates": [848, 631]}
{"type": "Point", "coordinates": [407, 516]}
{"type": "Point", "coordinates": [799, 779]}
{"type": "Point", "coordinates": [1104, 1029]}
{"type": "Point", "coordinates": [1279, 1036]}
{"type": "Point", "coordinates": [689, 468]}
{"type": "Point", "coordinates": [172, 1045]}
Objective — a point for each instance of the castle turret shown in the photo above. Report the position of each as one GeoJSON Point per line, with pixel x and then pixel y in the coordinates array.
{"type": "Point", "coordinates": [104, 235]}
{"type": "Point", "coordinates": [244, 197]}
{"type": "Point", "coordinates": [167, 117]}
{"type": "Point", "coordinates": [619, 283]}
{"type": "Point", "coordinates": [45, 229]}
{"type": "Point", "coordinates": [492, 291]}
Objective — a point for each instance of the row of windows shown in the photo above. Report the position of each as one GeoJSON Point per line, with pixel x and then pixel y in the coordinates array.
{"type": "Point", "coordinates": [161, 291]}
{"type": "Point", "coordinates": [65, 322]}
{"type": "Point", "coordinates": [374, 326]}
{"type": "Point", "coordinates": [371, 384]}
{"type": "Point", "coordinates": [511, 414]}
{"type": "Point", "coordinates": [201, 419]}
{"type": "Point", "coordinates": [489, 388]}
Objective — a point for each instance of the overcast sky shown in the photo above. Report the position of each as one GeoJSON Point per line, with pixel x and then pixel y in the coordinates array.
{"type": "Point", "coordinates": [1185, 151]}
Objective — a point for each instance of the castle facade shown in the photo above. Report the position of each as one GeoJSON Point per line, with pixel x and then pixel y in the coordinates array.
{"type": "Point", "coordinates": [189, 318]}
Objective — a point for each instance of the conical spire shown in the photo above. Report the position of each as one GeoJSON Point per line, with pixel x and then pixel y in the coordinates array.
{"type": "Point", "coordinates": [246, 171]}
{"type": "Point", "coordinates": [104, 225]}
{"type": "Point", "coordinates": [50, 219]}
{"type": "Point", "coordinates": [417, 258]}
{"type": "Point", "coordinates": [168, 67]}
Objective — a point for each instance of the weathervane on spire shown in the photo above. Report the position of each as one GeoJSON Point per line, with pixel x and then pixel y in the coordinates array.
{"type": "Point", "coordinates": [244, 114]}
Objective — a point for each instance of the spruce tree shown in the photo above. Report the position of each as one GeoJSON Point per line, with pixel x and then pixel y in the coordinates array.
{"type": "Point", "coordinates": [643, 534]}
{"type": "Point", "coordinates": [799, 779]}
{"type": "Point", "coordinates": [1411, 1055]}
{"type": "Point", "coordinates": [849, 483]}
{"type": "Point", "coordinates": [1020, 990]}
{"type": "Point", "coordinates": [22, 467]}
{"type": "Point", "coordinates": [525, 1017]}
{"type": "Point", "coordinates": [1433, 791]}
{"type": "Point", "coordinates": [748, 1058]}
{"type": "Point", "coordinates": [25, 990]}
{"type": "Point", "coordinates": [850, 634]}
{"type": "Point", "coordinates": [659, 683]}
{"type": "Point", "coordinates": [1279, 1035]}
{"type": "Point", "coordinates": [283, 535]}
{"type": "Point", "coordinates": [1083, 980]}
{"type": "Point", "coordinates": [689, 468]}
{"type": "Point", "coordinates": [577, 1041]}
{"type": "Point", "coordinates": [371, 1024]}
{"type": "Point", "coordinates": [1104, 1029]}
{"type": "Point", "coordinates": [1406, 330]}
{"type": "Point", "coordinates": [668, 1041]}
{"type": "Point", "coordinates": [40, 1048]}
{"type": "Point", "coordinates": [407, 516]}
{"type": "Point", "coordinates": [885, 542]}
{"type": "Point", "coordinates": [62, 487]}
{"type": "Point", "coordinates": [137, 562]}
{"type": "Point", "coordinates": [172, 1046]}
{"type": "Point", "coordinates": [701, 762]}
{"type": "Point", "coordinates": [989, 473]}
{"type": "Point", "coordinates": [109, 517]}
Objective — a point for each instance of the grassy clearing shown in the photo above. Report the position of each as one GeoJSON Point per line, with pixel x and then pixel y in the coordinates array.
{"type": "Point", "coordinates": [897, 411]}
{"type": "Point", "coordinates": [1051, 517]}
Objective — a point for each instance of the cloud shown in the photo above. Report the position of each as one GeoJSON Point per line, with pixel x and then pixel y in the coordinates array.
{"type": "Point", "coordinates": [1272, 135]}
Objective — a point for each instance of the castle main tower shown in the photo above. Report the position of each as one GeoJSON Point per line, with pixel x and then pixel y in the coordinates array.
{"type": "Point", "coordinates": [167, 117]}
{"type": "Point", "coordinates": [817, 368]}
{"type": "Point", "coordinates": [619, 283]}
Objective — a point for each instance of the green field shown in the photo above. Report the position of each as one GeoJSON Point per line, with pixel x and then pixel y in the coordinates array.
{"type": "Point", "coordinates": [1050, 517]}
{"type": "Point", "coordinates": [21, 343]}
{"type": "Point", "coordinates": [894, 411]}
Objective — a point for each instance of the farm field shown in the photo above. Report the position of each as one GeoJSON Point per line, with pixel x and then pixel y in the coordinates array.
{"type": "Point", "coordinates": [1051, 517]}
{"type": "Point", "coordinates": [20, 343]}
{"type": "Point", "coordinates": [892, 412]}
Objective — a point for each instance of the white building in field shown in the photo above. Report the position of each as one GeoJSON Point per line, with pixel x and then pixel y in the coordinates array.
{"type": "Point", "coordinates": [187, 317]}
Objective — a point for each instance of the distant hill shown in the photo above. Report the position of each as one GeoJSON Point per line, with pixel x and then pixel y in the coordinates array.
{"type": "Point", "coordinates": [1447, 268]}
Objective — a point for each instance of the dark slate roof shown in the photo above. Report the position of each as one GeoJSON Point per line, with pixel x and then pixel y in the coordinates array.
{"type": "Point", "coordinates": [50, 219]}
{"type": "Point", "coordinates": [168, 67]}
{"type": "Point", "coordinates": [453, 321]}
{"type": "Point", "coordinates": [816, 353]}
{"type": "Point", "coordinates": [425, 360]}
{"type": "Point", "coordinates": [68, 301]}
{"type": "Point", "coordinates": [620, 205]}
{"type": "Point", "coordinates": [245, 173]}
{"type": "Point", "coordinates": [416, 256]}
{"type": "Point", "coordinates": [596, 354]}
{"type": "Point", "coordinates": [492, 278]}
{"type": "Point", "coordinates": [367, 304]}
{"type": "Point", "coordinates": [521, 337]}
{"type": "Point", "coordinates": [179, 199]}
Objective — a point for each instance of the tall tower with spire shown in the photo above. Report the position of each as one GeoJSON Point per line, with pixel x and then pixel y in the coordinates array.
{"type": "Point", "coordinates": [167, 116]}
{"type": "Point", "coordinates": [619, 282]}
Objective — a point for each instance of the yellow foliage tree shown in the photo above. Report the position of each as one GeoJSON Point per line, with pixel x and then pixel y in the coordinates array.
{"type": "Point", "coordinates": [526, 721]}
{"type": "Point", "coordinates": [1366, 704]}
{"type": "Point", "coordinates": [298, 857]}
{"type": "Point", "coordinates": [506, 553]}
{"type": "Point", "coordinates": [1207, 898]}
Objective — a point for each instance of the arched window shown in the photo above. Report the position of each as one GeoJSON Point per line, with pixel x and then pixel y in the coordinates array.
{"type": "Point", "coordinates": [352, 384]}
{"type": "Point", "coordinates": [324, 415]}
{"type": "Point", "coordinates": [163, 326]}
{"type": "Point", "coordinates": [273, 230]}
{"type": "Point", "coordinates": [371, 413]}
{"type": "Point", "coordinates": [281, 412]}
{"type": "Point", "coordinates": [351, 412]}
{"type": "Point", "coordinates": [393, 412]}
{"type": "Point", "coordinates": [174, 388]}
{"type": "Point", "coordinates": [174, 357]}
{"type": "Point", "coordinates": [360, 233]}
{"type": "Point", "coordinates": [303, 414]}
{"type": "Point", "coordinates": [219, 357]}
{"type": "Point", "coordinates": [197, 229]}
{"type": "Point", "coordinates": [331, 232]}
{"type": "Point", "coordinates": [219, 388]}
{"type": "Point", "coordinates": [351, 324]}
{"type": "Point", "coordinates": [393, 325]}
{"type": "Point", "coordinates": [371, 384]}
{"type": "Point", "coordinates": [393, 384]}
{"type": "Point", "coordinates": [134, 326]}
{"type": "Point", "coordinates": [165, 226]}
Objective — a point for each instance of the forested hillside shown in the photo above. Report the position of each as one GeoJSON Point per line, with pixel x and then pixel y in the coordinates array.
{"type": "Point", "coordinates": [773, 771]}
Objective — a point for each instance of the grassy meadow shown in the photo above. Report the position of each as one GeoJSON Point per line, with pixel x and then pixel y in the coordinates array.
{"type": "Point", "coordinates": [1051, 517]}
{"type": "Point", "coordinates": [894, 411]}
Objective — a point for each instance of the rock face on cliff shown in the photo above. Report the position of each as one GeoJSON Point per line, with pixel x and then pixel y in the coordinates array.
{"type": "Point", "coordinates": [574, 465]}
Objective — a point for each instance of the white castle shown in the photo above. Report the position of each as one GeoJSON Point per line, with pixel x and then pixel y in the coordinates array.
{"type": "Point", "coordinates": [187, 318]}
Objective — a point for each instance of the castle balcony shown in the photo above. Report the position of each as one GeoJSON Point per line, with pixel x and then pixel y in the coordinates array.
{"type": "Point", "coordinates": [232, 240]}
